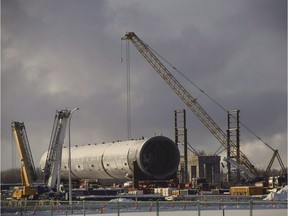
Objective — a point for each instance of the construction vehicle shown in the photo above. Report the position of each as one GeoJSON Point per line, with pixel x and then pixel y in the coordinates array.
{"type": "Point", "coordinates": [247, 191]}
{"type": "Point", "coordinates": [277, 182]}
{"type": "Point", "coordinates": [28, 171]}
{"type": "Point", "coordinates": [194, 106]}
{"type": "Point", "coordinates": [52, 168]}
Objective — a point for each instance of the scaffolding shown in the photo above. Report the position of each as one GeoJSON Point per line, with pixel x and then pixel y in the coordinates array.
{"type": "Point", "coordinates": [181, 139]}
{"type": "Point", "coordinates": [233, 134]}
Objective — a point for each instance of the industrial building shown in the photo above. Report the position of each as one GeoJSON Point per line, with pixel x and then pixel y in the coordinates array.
{"type": "Point", "coordinates": [202, 167]}
{"type": "Point", "coordinates": [207, 167]}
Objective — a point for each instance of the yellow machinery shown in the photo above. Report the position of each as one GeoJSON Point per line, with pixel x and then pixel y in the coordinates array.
{"type": "Point", "coordinates": [20, 192]}
{"type": "Point", "coordinates": [28, 171]}
{"type": "Point", "coordinates": [246, 190]}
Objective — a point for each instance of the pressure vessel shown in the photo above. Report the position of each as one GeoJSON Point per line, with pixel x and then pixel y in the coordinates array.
{"type": "Point", "coordinates": [156, 158]}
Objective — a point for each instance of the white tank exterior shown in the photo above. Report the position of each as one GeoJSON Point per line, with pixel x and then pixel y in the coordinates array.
{"type": "Point", "coordinates": [157, 157]}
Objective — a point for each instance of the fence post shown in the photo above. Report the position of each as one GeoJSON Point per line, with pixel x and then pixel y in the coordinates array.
{"type": "Point", "coordinates": [84, 208]}
{"type": "Point", "coordinates": [157, 208]}
{"type": "Point", "coordinates": [58, 205]}
{"type": "Point", "coordinates": [118, 208]}
{"type": "Point", "coordinates": [136, 200]}
{"type": "Point", "coordinates": [198, 207]}
{"type": "Point", "coordinates": [185, 205]}
{"type": "Point", "coordinates": [25, 206]}
{"type": "Point", "coordinates": [34, 211]}
{"type": "Point", "coordinates": [151, 205]}
{"type": "Point", "coordinates": [21, 207]}
{"type": "Point", "coordinates": [238, 201]}
{"type": "Point", "coordinates": [71, 207]}
{"type": "Point", "coordinates": [251, 207]}
{"type": "Point", "coordinates": [51, 205]}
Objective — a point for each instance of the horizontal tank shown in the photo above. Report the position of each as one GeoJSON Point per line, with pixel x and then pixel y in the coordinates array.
{"type": "Point", "coordinates": [156, 158]}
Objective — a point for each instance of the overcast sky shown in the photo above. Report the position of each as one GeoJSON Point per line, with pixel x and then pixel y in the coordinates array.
{"type": "Point", "coordinates": [58, 54]}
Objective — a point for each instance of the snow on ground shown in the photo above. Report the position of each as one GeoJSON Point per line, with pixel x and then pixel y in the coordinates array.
{"type": "Point", "coordinates": [241, 212]}
{"type": "Point", "coordinates": [279, 195]}
{"type": "Point", "coordinates": [274, 212]}
{"type": "Point", "coordinates": [275, 204]}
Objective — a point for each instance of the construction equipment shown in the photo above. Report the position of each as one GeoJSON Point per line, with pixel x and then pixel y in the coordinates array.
{"type": "Point", "coordinates": [275, 154]}
{"type": "Point", "coordinates": [244, 171]}
{"type": "Point", "coordinates": [200, 113]}
{"type": "Point", "coordinates": [188, 99]}
{"type": "Point", "coordinates": [52, 168]}
{"type": "Point", "coordinates": [246, 191]}
{"type": "Point", "coordinates": [28, 171]}
{"type": "Point", "coordinates": [277, 182]}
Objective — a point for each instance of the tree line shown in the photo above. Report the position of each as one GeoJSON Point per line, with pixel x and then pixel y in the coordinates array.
{"type": "Point", "coordinates": [14, 175]}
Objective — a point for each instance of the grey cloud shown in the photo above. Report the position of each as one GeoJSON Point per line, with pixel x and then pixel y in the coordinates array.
{"type": "Point", "coordinates": [59, 54]}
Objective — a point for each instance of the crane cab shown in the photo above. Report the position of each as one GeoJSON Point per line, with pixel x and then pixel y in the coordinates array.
{"type": "Point", "coordinates": [20, 192]}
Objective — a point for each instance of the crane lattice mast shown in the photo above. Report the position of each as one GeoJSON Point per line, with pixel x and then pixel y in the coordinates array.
{"type": "Point", "coordinates": [54, 154]}
{"type": "Point", "coordinates": [187, 98]}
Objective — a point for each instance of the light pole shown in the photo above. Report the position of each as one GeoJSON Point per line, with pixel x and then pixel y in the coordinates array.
{"type": "Point", "coordinates": [69, 158]}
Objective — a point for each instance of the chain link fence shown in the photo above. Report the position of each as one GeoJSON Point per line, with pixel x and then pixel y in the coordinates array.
{"type": "Point", "coordinates": [127, 207]}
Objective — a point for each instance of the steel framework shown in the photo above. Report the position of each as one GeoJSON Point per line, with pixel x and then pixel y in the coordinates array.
{"type": "Point", "coordinates": [187, 98]}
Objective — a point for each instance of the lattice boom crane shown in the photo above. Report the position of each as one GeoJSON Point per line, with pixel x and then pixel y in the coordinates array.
{"type": "Point", "coordinates": [28, 171]}
{"type": "Point", "coordinates": [187, 98]}
{"type": "Point", "coordinates": [53, 161]}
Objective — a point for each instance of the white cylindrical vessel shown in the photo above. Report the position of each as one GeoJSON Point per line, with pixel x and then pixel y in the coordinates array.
{"type": "Point", "coordinates": [156, 158]}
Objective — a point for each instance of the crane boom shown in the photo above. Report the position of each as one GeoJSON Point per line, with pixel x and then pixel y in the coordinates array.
{"type": "Point", "coordinates": [54, 155]}
{"type": "Point", "coordinates": [28, 171]}
{"type": "Point", "coordinates": [275, 154]}
{"type": "Point", "coordinates": [27, 164]}
{"type": "Point", "coordinates": [187, 98]}
{"type": "Point", "coordinates": [247, 174]}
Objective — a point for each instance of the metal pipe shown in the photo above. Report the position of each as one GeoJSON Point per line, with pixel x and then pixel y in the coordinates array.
{"type": "Point", "coordinates": [156, 158]}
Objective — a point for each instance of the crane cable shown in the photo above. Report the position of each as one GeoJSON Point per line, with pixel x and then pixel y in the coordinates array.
{"type": "Point", "coordinates": [212, 99]}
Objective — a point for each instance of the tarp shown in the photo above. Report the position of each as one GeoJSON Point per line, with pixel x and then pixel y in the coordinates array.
{"type": "Point", "coordinates": [279, 195]}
